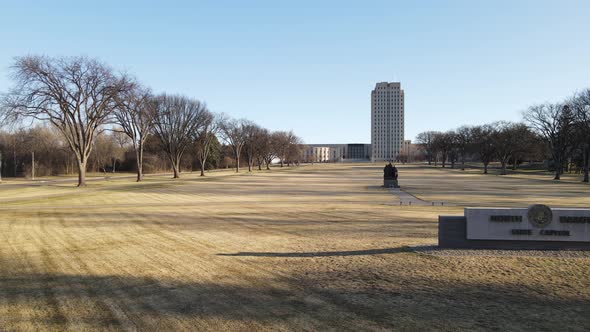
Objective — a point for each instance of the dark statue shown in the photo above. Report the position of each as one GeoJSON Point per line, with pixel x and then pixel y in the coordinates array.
{"type": "Point", "coordinates": [390, 176]}
{"type": "Point", "coordinates": [390, 172]}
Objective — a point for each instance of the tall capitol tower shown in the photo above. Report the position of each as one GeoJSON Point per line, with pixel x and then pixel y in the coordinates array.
{"type": "Point", "coordinates": [387, 121]}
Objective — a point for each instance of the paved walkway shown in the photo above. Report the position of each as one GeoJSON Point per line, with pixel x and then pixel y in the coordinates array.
{"type": "Point", "coordinates": [406, 198]}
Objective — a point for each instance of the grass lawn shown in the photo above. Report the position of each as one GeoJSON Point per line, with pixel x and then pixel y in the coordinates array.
{"type": "Point", "coordinates": [312, 248]}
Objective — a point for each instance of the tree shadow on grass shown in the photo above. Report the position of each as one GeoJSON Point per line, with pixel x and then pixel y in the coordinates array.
{"type": "Point", "coordinates": [97, 302]}
{"type": "Point", "coordinates": [321, 253]}
{"type": "Point", "coordinates": [304, 302]}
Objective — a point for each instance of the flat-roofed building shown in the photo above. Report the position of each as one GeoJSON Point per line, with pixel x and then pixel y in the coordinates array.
{"type": "Point", "coordinates": [337, 152]}
{"type": "Point", "coordinates": [358, 151]}
{"type": "Point", "coordinates": [317, 154]}
{"type": "Point", "coordinates": [387, 121]}
{"type": "Point", "coordinates": [410, 152]}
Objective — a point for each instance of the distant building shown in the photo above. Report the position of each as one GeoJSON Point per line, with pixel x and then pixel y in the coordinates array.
{"type": "Point", "coordinates": [404, 154]}
{"type": "Point", "coordinates": [387, 121]}
{"type": "Point", "coordinates": [318, 153]}
{"type": "Point", "coordinates": [410, 152]}
{"type": "Point", "coordinates": [356, 151]}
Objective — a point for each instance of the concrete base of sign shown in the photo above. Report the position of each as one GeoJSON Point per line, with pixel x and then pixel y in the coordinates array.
{"type": "Point", "coordinates": [452, 233]}
{"type": "Point", "coordinates": [390, 183]}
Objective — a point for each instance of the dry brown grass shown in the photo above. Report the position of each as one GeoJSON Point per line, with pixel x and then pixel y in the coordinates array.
{"type": "Point", "coordinates": [314, 248]}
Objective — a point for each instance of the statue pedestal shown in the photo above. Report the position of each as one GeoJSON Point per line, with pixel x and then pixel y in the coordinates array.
{"type": "Point", "coordinates": [390, 183]}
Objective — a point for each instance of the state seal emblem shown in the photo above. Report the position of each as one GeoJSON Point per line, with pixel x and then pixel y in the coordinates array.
{"type": "Point", "coordinates": [539, 215]}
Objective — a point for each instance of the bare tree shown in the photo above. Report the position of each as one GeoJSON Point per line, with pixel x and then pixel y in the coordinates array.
{"type": "Point", "coordinates": [262, 147]}
{"type": "Point", "coordinates": [283, 141]}
{"type": "Point", "coordinates": [75, 94]}
{"type": "Point", "coordinates": [205, 137]}
{"type": "Point", "coordinates": [443, 143]}
{"type": "Point", "coordinates": [135, 115]}
{"type": "Point", "coordinates": [425, 140]}
{"type": "Point", "coordinates": [504, 138]}
{"type": "Point", "coordinates": [122, 141]}
{"type": "Point", "coordinates": [271, 152]}
{"type": "Point", "coordinates": [581, 106]}
{"type": "Point", "coordinates": [453, 139]}
{"type": "Point", "coordinates": [254, 135]}
{"type": "Point", "coordinates": [463, 140]}
{"type": "Point", "coordinates": [483, 142]}
{"type": "Point", "coordinates": [233, 133]}
{"type": "Point", "coordinates": [2, 123]}
{"type": "Point", "coordinates": [296, 147]}
{"type": "Point", "coordinates": [104, 151]}
{"type": "Point", "coordinates": [176, 120]}
{"type": "Point", "coordinates": [530, 146]}
{"type": "Point", "coordinates": [510, 140]}
{"type": "Point", "coordinates": [13, 142]}
{"type": "Point", "coordinates": [554, 122]}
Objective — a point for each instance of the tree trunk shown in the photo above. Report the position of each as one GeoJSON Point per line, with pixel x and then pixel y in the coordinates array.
{"type": "Point", "coordinates": [237, 163]}
{"type": "Point", "coordinates": [557, 169]}
{"type": "Point", "coordinates": [175, 160]}
{"type": "Point", "coordinates": [514, 161]}
{"type": "Point", "coordinates": [176, 171]}
{"type": "Point", "coordinates": [139, 156]}
{"type": "Point", "coordinates": [249, 165]}
{"type": "Point", "coordinates": [463, 162]}
{"type": "Point", "coordinates": [81, 173]}
{"type": "Point", "coordinates": [202, 168]}
{"type": "Point", "coordinates": [15, 162]}
{"type": "Point", "coordinates": [586, 166]}
{"type": "Point", "coordinates": [203, 160]}
{"type": "Point", "coordinates": [485, 168]}
{"type": "Point", "coordinates": [139, 171]}
{"type": "Point", "coordinates": [504, 162]}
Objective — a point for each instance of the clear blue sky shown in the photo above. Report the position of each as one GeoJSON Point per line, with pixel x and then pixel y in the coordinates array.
{"type": "Point", "coordinates": [310, 65]}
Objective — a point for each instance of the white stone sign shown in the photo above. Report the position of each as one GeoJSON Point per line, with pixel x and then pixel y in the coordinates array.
{"type": "Point", "coordinates": [536, 223]}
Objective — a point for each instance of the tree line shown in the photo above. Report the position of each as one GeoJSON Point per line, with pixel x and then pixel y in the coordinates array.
{"type": "Point", "coordinates": [83, 114]}
{"type": "Point", "coordinates": [558, 133]}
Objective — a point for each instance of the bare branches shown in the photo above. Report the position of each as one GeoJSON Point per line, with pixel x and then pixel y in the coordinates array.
{"type": "Point", "coordinates": [555, 123]}
{"type": "Point", "coordinates": [135, 114]}
{"type": "Point", "coordinates": [262, 147]}
{"type": "Point", "coordinates": [75, 94]}
{"type": "Point", "coordinates": [81, 97]}
{"type": "Point", "coordinates": [580, 104]}
{"type": "Point", "coordinates": [177, 119]}
{"type": "Point", "coordinates": [233, 133]}
{"type": "Point", "coordinates": [253, 137]}
{"type": "Point", "coordinates": [510, 140]}
{"type": "Point", "coordinates": [426, 140]}
{"type": "Point", "coordinates": [283, 141]}
{"type": "Point", "coordinates": [211, 126]}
